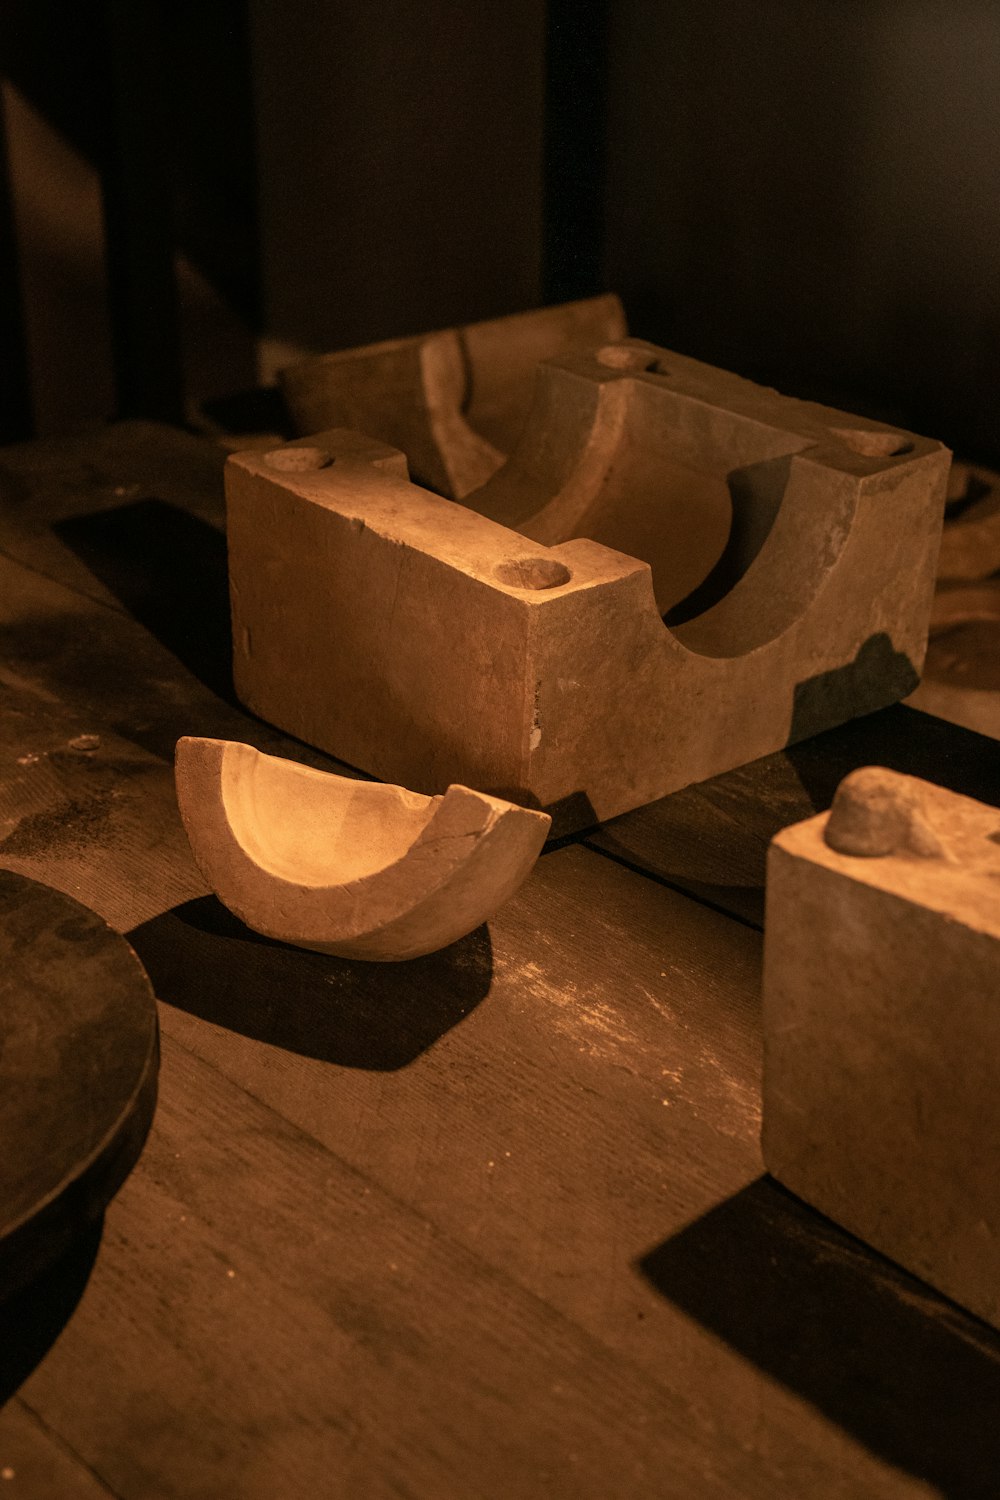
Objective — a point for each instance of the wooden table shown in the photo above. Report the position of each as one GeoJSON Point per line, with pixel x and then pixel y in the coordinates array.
{"type": "Point", "coordinates": [491, 1223]}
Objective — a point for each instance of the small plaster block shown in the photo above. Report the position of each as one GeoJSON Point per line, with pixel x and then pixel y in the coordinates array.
{"type": "Point", "coordinates": [882, 1026]}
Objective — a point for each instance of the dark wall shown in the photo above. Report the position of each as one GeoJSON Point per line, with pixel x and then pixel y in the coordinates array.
{"type": "Point", "coordinates": [400, 155]}
{"type": "Point", "coordinates": [808, 191]}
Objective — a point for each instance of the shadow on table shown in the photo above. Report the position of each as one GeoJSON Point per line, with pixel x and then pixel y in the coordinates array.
{"type": "Point", "coordinates": [32, 1318]}
{"type": "Point", "coordinates": [907, 1373]}
{"type": "Point", "coordinates": [902, 739]}
{"type": "Point", "coordinates": [169, 570]}
{"type": "Point", "coordinates": [379, 1016]}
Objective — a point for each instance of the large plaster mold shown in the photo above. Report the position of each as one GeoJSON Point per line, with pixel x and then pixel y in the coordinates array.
{"type": "Point", "coordinates": [517, 642]}
{"type": "Point", "coordinates": [348, 867]}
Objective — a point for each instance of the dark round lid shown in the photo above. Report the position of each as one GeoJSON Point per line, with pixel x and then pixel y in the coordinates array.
{"type": "Point", "coordinates": [78, 1063]}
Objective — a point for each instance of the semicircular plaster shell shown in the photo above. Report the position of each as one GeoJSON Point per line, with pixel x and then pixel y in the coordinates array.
{"type": "Point", "coordinates": [354, 868]}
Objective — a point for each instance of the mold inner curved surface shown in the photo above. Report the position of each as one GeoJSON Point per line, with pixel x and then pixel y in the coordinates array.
{"type": "Point", "coordinates": [738, 539]}
{"type": "Point", "coordinates": [689, 488]}
{"type": "Point", "coordinates": [316, 829]}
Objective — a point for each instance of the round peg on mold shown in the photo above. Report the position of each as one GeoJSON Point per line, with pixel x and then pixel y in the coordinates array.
{"type": "Point", "coordinates": [878, 812]}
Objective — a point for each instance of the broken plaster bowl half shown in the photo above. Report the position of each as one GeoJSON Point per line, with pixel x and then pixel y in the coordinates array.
{"type": "Point", "coordinates": [453, 401]}
{"type": "Point", "coordinates": [675, 573]}
{"type": "Point", "coordinates": [348, 867]}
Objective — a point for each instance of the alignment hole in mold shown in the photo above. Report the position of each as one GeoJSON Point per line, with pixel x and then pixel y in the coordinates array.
{"type": "Point", "coordinates": [873, 444]}
{"type": "Point", "coordinates": [628, 357]}
{"type": "Point", "coordinates": [532, 573]}
{"type": "Point", "coordinates": [298, 460]}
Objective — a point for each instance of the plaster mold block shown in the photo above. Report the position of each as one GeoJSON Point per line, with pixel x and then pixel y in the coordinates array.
{"type": "Point", "coordinates": [454, 401]}
{"type": "Point", "coordinates": [882, 1026]}
{"type": "Point", "coordinates": [675, 572]}
{"type": "Point", "coordinates": [348, 867]}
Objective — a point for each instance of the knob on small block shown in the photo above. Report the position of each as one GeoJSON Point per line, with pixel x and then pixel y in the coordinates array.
{"type": "Point", "coordinates": [882, 1026]}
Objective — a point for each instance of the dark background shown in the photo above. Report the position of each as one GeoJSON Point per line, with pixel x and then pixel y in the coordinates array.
{"type": "Point", "coordinates": [802, 190]}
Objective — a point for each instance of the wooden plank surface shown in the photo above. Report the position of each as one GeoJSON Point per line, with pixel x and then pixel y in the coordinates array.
{"type": "Point", "coordinates": [488, 1223]}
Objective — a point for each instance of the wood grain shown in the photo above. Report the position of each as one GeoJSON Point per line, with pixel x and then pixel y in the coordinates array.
{"type": "Point", "coordinates": [34, 1461]}
{"type": "Point", "coordinates": [494, 1218]}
